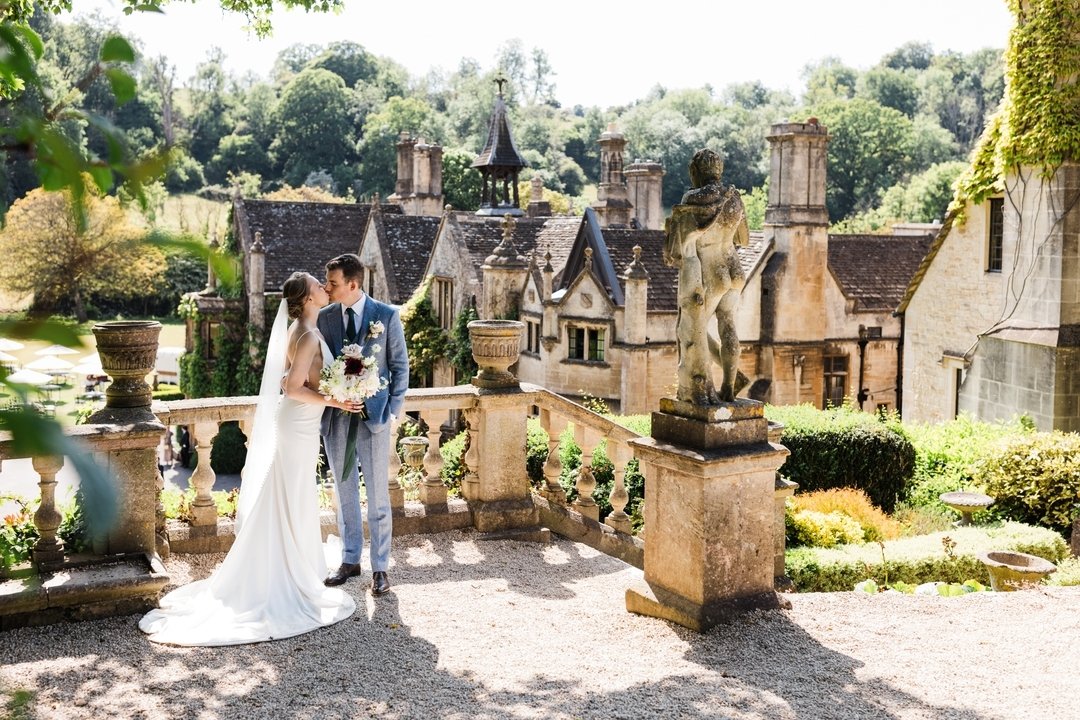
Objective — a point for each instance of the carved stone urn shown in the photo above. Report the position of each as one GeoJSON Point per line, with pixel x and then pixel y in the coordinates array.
{"type": "Point", "coordinates": [496, 345]}
{"type": "Point", "coordinates": [1012, 570]}
{"type": "Point", "coordinates": [128, 351]}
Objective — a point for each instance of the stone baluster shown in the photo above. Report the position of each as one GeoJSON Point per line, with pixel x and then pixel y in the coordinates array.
{"type": "Point", "coordinates": [554, 426]}
{"type": "Point", "coordinates": [432, 490]}
{"type": "Point", "coordinates": [586, 483]}
{"type": "Point", "coordinates": [618, 519]}
{"type": "Point", "coordinates": [471, 482]}
{"type": "Point", "coordinates": [161, 533]}
{"type": "Point", "coordinates": [203, 510]}
{"type": "Point", "coordinates": [49, 548]}
{"type": "Point", "coordinates": [397, 493]}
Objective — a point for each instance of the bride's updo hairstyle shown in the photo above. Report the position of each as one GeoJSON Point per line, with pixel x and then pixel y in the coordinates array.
{"type": "Point", "coordinates": [295, 292]}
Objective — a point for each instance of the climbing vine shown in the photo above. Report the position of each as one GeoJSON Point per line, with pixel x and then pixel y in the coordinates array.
{"type": "Point", "coordinates": [425, 339]}
{"type": "Point", "coordinates": [461, 356]}
{"type": "Point", "coordinates": [1038, 123]}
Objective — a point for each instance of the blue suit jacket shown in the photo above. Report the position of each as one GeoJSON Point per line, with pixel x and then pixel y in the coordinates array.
{"type": "Point", "coordinates": [392, 357]}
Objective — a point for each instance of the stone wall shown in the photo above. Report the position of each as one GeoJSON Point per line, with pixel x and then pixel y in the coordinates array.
{"type": "Point", "coordinates": [956, 300]}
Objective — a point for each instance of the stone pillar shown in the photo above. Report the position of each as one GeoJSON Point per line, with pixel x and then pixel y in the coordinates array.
{"type": "Point", "coordinates": [211, 276]}
{"type": "Point", "coordinates": [49, 549]}
{"type": "Point", "coordinates": [710, 514]}
{"type": "Point", "coordinates": [501, 502]}
{"type": "Point", "coordinates": [612, 202]}
{"type": "Point", "coordinates": [203, 509]}
{"type": "Point", "coordinates": [256, 284]}
{"type": "Point", "coordinates": [783, 489]}
{"type": "Point", "coordinates": [538, 206]}
{"type": "Point", "coordinates": [505, 271]}
{"type": "Point", "coordinates": [128, 349]}
{"type": "Point", "coordinates": [644, 187]}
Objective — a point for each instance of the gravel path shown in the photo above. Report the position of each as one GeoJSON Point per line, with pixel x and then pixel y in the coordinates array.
{"type": "Point", "coordinates": [478, 629]}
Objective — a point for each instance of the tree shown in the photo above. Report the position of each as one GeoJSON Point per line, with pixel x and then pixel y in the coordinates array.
{"type": "Point", "coordinates": [211, 107]}
{"type": "Point", "coordinates": [378, 148]}
{"type": "Point", "coordinates": [913, 55]}
{"type": "Point", "coordinates": [829, 79]}
{"type": "Point", "coordinates": [461, 182]}
{"type": "Point", "coordinates": [315, 130]}
{"type": "Point", "coordinates": [348, 60]}
{"type": "Point", "coordinates": [47, 253]}
{"type": "Point", "coordinates": [891, 88]}
{"type": "Point", "coordinates": [869, 150]}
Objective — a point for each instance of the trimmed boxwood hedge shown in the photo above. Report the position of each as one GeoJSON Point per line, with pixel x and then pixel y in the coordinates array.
{"type": "Point", "coordinates": [918, 559]}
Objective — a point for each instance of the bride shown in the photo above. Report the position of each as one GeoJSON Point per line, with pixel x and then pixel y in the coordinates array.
{"type": "Point", "coordinates": [270, 585]}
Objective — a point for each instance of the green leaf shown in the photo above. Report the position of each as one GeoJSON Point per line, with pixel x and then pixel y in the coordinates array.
{"type": "Point", "coordinates": [36, 435]}
{"type": "Point", "coordinates": [103, 177]}
{"type": "Point", "coordinates": [117, 49]}
{"type": "Point", "coordinates": [123, 85]}
{"type": "Point", "coordinates": [48, 330]}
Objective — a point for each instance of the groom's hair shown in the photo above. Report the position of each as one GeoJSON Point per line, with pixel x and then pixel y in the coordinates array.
{"type": "Point", "coordinates": [349, 265]}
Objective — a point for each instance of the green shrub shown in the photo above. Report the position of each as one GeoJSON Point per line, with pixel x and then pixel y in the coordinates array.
{"type": "Point", "coordinates": [228, 454]}
{"type": "Point", "coordinates": [1068, 573]}
{"type": "Point", "coordinates": [818, 529]}
{"type": "Point", "coordinates": [946, 556]}
{"type": "Point", "coordinates": [17, 534]}
{"type": "Point", "coordinates": [453, 455]}
{"type": "Point", "coordinates": [947, 455]}
{"type": "Point", "coordinates": [177, 503]}
{"type": "Point", "coordinates": [167, 391]}
{"type": "Point", "coordinates": [855, 504]}
{"type": "Point", "coordinates": [843, 447]}
{"type": "Point", "coordinates": [1035, 478]}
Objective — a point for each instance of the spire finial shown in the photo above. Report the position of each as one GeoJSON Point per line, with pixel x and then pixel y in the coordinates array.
{"type": "Point", "coordinates": [499, 80]}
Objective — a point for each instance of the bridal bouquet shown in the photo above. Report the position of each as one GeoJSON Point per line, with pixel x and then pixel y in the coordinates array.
{"type": "Point", "coordinates": [352, 376]}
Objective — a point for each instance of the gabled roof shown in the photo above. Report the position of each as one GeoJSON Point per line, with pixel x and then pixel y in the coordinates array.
{"type": "Point", "coordinates": [499, 150]}
{"type": "Point", "coordinates": [590, 235]}
{"type": "Point", "coordinates": [406, 241]}
{"type": "Point", "coordinates": [481, 234]}
{"type": "Point", "coordinates": [300, 235]}
{"type": "Point", "coordinates": [752, 255]}
{"type": "Point", "coordinates": [875, 270]}
{"type": "Point", "coordinates": [663, 280]}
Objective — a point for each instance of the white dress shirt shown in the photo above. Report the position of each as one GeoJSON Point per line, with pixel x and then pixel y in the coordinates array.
{"type": "Point", "coordinates": [358, 308]}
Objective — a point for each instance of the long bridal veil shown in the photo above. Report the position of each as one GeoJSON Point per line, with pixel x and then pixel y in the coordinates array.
{"type": "Point", "coordinates": [263, 438]}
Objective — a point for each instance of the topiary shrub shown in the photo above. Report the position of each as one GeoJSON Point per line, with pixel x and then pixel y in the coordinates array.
{"type": "Point", "coordinates": [1035, 478]}
{"type": "Point", "coordinates": [946, 556]}
{"type": "Point", "coordinates": [167, 391]}
{"type": "Point", "coordinates": [843, 447]}
{"type": "Point", "coordinates": [228, 453]}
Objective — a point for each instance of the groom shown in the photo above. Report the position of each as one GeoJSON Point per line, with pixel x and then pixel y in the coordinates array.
{"type": "Point", "coordinates": [353, 317]}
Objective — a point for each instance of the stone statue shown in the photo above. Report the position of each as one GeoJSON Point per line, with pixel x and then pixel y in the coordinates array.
{"type": "Point", "coordinates": [702, 233]}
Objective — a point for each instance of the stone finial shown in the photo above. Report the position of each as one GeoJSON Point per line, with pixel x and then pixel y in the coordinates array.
{"type": "Point", "coordinates": [447, 209]}
{"type": "Point", "coordinates": [403, 135]}
{"type": "Point", "coordinates": [257, 246]}
{"type": "Point", "coordinates": [536, 189]}
{"type": "Point", "coordinates": [636, 269]}
{"type": "Point", "coordinates": [506, 254]}
{"type": "Point", "coordinates": [588, 259]}
{"type": "Point", "coordinates": [547, 261]}
{"type": "Point", "coordinates": [375, 199]}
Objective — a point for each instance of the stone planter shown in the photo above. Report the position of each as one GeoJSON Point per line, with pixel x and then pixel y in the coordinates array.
{"type": "Point", "coordinates": [1010, 570]}
{"type": "Point", "coordinates": [496, 345]}
{"type": "Point", "coordinates": [128, 352]}
{"type": "Point", "coordinates": [966, 503]}
{"type": "Point", "coordinates": [414, 449]}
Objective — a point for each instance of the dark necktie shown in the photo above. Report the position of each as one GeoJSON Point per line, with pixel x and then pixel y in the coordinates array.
{"type": "Point", "coordinates": [350, 325]}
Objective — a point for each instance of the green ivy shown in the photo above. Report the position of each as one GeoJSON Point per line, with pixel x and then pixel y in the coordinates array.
{"type": "Point", "coordinates": [426, 341]}
{"type": "Point", "coordinates": [1037, 123]}
{"type": "Point", "coordinates": [461, 356]}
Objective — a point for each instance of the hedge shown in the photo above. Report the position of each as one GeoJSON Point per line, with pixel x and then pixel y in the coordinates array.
{"type": "Point", "coordinates": [916, 560]}
{"type": "Point", "coordinates": [843, 447]}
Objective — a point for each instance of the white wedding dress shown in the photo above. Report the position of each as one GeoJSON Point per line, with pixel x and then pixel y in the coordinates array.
{"type": "Point", "coordinates": [270, 585]}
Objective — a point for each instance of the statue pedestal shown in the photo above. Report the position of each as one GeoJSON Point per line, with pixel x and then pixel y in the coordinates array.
{"type": "Point", "coordinates": [709, 515]}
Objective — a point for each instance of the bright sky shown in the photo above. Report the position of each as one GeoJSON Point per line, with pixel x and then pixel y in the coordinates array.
{"type": "Point", "coordinates": [603, 53]}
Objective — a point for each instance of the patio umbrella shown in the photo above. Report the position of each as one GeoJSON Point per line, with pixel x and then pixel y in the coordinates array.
{"type": "Point", "coordinates": [56, 350]}
{"type": "Point", "coordinates": [6, 345]}
{"type": "Point", "coordinates": [28, 377]}
{"type": "Point", "coordinates": [50, 363]}
{"type": "Point", "coordinates": [87, 367]}
{"type": "Point", "coordinates": [6, 359]}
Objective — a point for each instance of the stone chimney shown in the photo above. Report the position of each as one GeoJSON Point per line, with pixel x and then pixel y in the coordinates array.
{"type": "Point", "coordinates": [504, 271]}
{"type": "Point", "coordinates": [795, 279]}
{"type": "Point", "coordinates": [644, 186]}
{"type": "Point", "coordinates": [256, 283]}
{"type": "Point", "coordinates": [612, 202]}
{"type": "Point", "coordinates": [419, 177]}
{"type": "Point", "coordinates": [538, 206]}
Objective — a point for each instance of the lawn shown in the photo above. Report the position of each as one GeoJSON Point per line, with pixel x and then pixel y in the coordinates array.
{"type": "Point", "coordinates": [65, 399]}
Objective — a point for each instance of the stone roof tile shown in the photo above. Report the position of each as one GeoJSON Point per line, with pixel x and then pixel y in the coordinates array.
{"type": "Point", "coordinates": [875, 270]}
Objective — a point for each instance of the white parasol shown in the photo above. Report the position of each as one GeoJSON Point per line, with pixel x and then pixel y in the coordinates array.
{"type": "Point", "coordinates": [28, 377]}
{"type": "Point", "coordinates": [6, 345]}
{"type": "Point", "coordinates": [50, 363]}
{"type": "Point", "coordinates": [56, 350]}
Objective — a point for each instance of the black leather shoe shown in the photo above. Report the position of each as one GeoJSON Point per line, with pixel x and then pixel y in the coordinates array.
{"type": "Point", "coordinates": [343, 573]}
{"type": "Point", "coordinates": [380, 584]}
